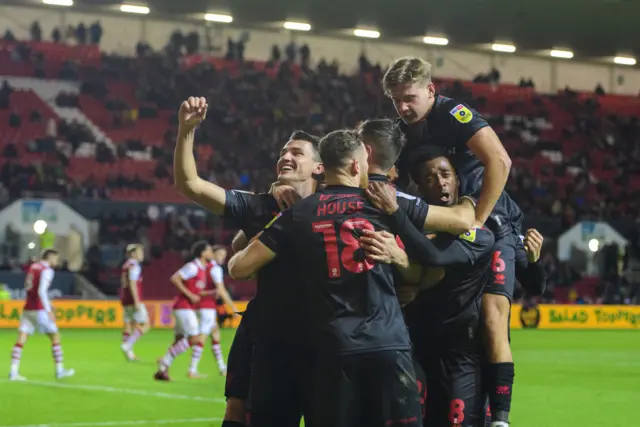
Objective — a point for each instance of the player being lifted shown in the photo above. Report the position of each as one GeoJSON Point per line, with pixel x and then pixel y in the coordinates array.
{"type": "Point", "coordinates": [483, 165]}
{"type": "Point", "coordinates": [207, 307]}
{"type": "Point", "coordinates": [136, 318]}
{"type": "Point", "coordinates": [190, 281]}
{"type": "Point", "coordinates": [363, 373]}
{"type": "Point", "coordinates": [38, 314]}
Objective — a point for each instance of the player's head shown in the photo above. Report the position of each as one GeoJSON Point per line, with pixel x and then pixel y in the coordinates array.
{"type": "Point", "coordinates": [345, 158]}
{"type": "Point", "coordinates": [299, 158]}
{"type": "Point", "coordinates": [219, 254]}
{"type": "Point", "coordinates": [202, 250]}
{"type": "Point", "coordinates": [408, 83]}
{"type": "Point", "coordinates": [50, 256]}
{"type": "Point", "coordinates": [135, 251]}
{"type": "Point", "coordinates": [384, 141]}
{"type": "Point", "coordinates": [436, 177]}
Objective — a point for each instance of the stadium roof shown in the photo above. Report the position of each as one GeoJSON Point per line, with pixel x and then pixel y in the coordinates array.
{"type": "Point", "coordinates": [593, 28]}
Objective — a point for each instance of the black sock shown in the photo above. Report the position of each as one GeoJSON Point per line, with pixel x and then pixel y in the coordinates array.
{"type": "Point", "coordinates": [233, 424]}
{"type": "Point", "coordinates": [500, 382]}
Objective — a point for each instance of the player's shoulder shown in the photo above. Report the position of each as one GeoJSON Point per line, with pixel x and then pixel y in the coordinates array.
{"type": "Point", "coordinates": [455, 111]}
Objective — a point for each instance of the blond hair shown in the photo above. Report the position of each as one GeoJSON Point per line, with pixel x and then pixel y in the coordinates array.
{"type": "Point", "coordinates": [406, 70]}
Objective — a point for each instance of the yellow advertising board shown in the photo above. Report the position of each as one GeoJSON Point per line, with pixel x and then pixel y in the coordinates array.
{"type": "Point", "coordinates": [97, 314]}
{"type": "Point", "coordinates": [576, 316]}
{"type": "Point", "coordinates": [108, 314]}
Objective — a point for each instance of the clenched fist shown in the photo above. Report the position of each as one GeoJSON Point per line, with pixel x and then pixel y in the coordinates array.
{"type": "Point", "coordinates": [192, 112]}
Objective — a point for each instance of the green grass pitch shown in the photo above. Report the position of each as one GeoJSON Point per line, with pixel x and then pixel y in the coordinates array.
{"type": "Point", "coordinates": [563, 378]}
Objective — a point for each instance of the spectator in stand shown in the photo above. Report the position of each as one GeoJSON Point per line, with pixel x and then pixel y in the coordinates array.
{"type": "Point", "coordinates": [81, 34]}
{"type": "Point", "coordinates": [95, 33]}
{"type": "Point", "coordinates": [56, 35]}
{"type": "Point", "coordinates": [35, 31]}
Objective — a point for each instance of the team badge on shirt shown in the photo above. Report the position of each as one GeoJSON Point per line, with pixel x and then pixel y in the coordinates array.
{"type": "Point", "coordinates": [469, 236]}
{"type": "Point", "coordinates": [462, 113]}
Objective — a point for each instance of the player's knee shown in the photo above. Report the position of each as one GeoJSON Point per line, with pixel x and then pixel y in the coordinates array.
{"type": "Point", "coordinates": [235, 410]}
{"type": "Point", "coordinates": [55, 338]}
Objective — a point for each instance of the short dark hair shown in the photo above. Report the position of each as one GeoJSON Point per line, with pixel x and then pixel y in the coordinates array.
{"type": "Point", "coordinates": [386, 139]}
{"type": "Point", "coordinates": [198, 248]}
{"type": "Point", "coordinates": [301, 135]}
{"type": "Point", "coordinates": [423, 155]}
{"type": "Point", "coordinates": [337, 146]}
{"type": "Point", "coordinates": [48, 252]}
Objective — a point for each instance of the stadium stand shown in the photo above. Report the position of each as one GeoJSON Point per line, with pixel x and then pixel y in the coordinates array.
{"type": "Point", "coordinates": [82, 125]}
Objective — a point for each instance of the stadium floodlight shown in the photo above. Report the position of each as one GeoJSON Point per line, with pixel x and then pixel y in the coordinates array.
{"type": "Point", "coordinates": [368, 34]}
{"type": "Point", "coordinates": [130, 8]}
{"type": "Point", "coordinates": [58, 2]}
{"type": "Point", "coordinates": [31, 246]}
{"type": "Point", "coordinates": [558, 53]}
{"type": "Point", "coordinates": [506, 48]}
{"type": "Point", "coordinates": [40, 226]}
{"type": "Point", "coordinates": [297, 26]}
{"type": "Point", "coordinates": [594, 245]}
{"type": "Point", "coordinates": [217, 17]}
{"type": "Point", "coordinates": [624, 60]}
{"type": "Point", "coordinates": [440, 41]}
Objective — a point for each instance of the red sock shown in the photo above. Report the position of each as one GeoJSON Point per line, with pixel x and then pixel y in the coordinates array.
{"type": "Point", "coordinates": [125, 336]}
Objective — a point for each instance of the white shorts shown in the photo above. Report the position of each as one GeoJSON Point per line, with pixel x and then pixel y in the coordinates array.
{"type": "Point", "coordinates": [131, 315]}
{"type": "Point", "coordinates": [32, 319]}
{"type": "Point", "coordinates": [186, 322]}
{"type": "Point", "coordinates": [208, 320]}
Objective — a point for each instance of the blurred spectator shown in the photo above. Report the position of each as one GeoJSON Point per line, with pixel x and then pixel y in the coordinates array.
{"type": "Point", "coordinates": [81, 33]}
{"type": "Point", "coordinates": [95, 32]}
{"type": "Point", "coordinates": [35, 31]}
{"type": "Point", "coordinates": [56, 35]}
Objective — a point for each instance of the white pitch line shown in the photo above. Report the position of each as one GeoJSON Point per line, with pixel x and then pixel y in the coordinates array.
{"type": "Point", "coordinates": [123, 423]}
{"type": "Point", "coordinates": [121, 391]}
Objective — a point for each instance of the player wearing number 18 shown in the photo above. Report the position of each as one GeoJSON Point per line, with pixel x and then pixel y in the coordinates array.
{"type": "Point", "coordinates": [364, 373]}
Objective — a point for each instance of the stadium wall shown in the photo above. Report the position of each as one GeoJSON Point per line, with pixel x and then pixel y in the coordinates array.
{"type": "Point", "coordinates": [86, 314]}
{"type": "Point", "coordinates": [122, 32]}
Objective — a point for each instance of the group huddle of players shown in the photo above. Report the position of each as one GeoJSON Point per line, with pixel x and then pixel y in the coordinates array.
{"type": "Point", "coordinates": [375, 307]}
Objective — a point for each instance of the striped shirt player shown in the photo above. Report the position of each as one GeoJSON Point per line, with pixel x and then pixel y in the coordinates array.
{"type": "Point", "coordinates": [191, 281]}
{"type": "Point", "coordinates": [136, 317]}
{"type": "Point", "coordinates": [208, 309]}
{"type": "Point", "coordinates": [38, 314]}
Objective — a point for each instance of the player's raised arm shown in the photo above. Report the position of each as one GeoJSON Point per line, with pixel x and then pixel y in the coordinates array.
{"type": "Point", "coordinates": [487, 147]}
{"type": "Point", "coordinates": [185, 173]}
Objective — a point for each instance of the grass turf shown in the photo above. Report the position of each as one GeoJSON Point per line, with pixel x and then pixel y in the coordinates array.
{"type": "Point", "coordinates": [563, 378]}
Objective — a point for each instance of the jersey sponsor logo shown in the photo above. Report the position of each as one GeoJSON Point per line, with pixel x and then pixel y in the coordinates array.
{"type": "Point", "coordinates": [469, 236]}
{"type": "Point", "coordinates": [273, 220]}
{"type": "Point", "coordinates": [462, 113]}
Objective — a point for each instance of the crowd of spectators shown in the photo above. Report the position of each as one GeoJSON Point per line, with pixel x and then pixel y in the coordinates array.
{"type": "Point", "coordinates": [252, 111]}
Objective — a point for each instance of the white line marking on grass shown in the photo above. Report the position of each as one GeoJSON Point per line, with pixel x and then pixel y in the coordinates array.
{"type": "Point", "coordinates": [123, 423]}
{"type": "Point", "coordinates": [121, 391]}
